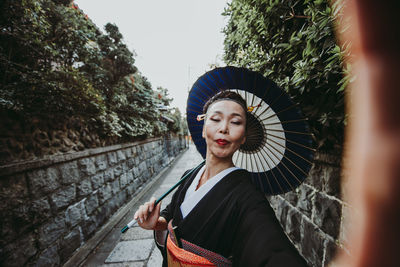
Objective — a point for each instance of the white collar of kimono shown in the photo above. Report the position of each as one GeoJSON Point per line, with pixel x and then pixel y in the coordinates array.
{"type": "Point", "coordinates": [193, 196]}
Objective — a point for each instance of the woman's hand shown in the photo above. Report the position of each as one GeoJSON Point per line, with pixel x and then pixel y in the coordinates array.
{"type": "Point", "coordinates": [147, 215]}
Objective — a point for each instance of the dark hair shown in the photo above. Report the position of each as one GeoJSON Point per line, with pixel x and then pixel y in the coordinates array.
{"type": "Point", "coordinates": [226, 95]}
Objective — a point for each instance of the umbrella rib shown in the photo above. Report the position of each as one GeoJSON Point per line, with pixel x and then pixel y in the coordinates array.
{"type": "Point", "coordinates": [295, 176]}
{"type": "Point", "coordinates": [276, 113]}
{"type": "Point", "coordinates": [291, 150]}
{"type": "Point", "coordinates": [241, 161]}
{"type": "Point", "coordinates": [286, 157]}
{"type": "Point", "coordinates": [293, 142]}
{"type": "Point", "coordinates": [266, 161]}
{"type": "Point", "coordinates": [284, 122]}
{"type": "Point", "coordinates": [277, 166]}
{"type": "Point", "coordinates": [195, 93]}
{"type": "Point", "coordinates": [293, 132]}
{"type": "Point", "coordinates": [272, 103]}
{"type": "Point", "coordinates": [258, 174]}
{"type": "Point", "coordinates": [205, 95]}
{"type": "Point", "coordinates": [269, 184]}
{"type": "Point", "coordinates": [210, 87]}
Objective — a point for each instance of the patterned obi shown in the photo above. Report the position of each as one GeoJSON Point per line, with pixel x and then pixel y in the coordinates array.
{"type": "Point", "coordinates": [191, 254]}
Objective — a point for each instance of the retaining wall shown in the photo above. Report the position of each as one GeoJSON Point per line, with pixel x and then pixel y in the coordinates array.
{"type": "Point", "coordinates": [312, 214]}
{"type": "Point", "coordinates": [51, 207]}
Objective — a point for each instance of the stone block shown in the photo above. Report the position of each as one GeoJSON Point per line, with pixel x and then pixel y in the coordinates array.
{"type": "Point", "coordinates": [49, 257]}
{"type": "Point", "coordinates": [87, 166]}
{"type": "Point", "coordinates": [284, 208]}
{"type": "Point", "coordinates": [112, 158]}
{"type": "Point", "coordinates": [69, 244]}
{"type": "Point", "coordinates": [100, 216]}
{"type": "Point", "coordinates": [305, 201]}
{"type": "Point", "coordinates": [128, 152]}
{"type": "Point", "coordinates": [69, 173]}
{"type": "Point", "coordinates": [131, 163]}
{"type": "Point", "coordinates": [19, 252]}
{"type": "Point", "coordinates": [111, 205]}
{"type": "Point", "coordinates": [75, 213]}
{"type": "Point", "coordinates": [88, 228]}
{"type": "Point", "coordinates": [136, 233]}
{"type": "Point", "coordinates": [84, 188]}
{"type": "Point", "coordinates": [21, 217]}
{"type": "Point", "coordinates": [115, 188]}
{"type": "Point", "coordinates": [13, 189]}
{"type": "Point", "coordinates": [315, 177]}
{"type": "Point", "coordinates": [293, 222]}
{"type": "Point", "coordinates": [101, 162]}
{"type": "Point", "coordinates": [331, 249]}
{"type": "Point", "coordinates": [142, 156]}
{"type": "Point", "coordinates": [137, 160]}
{"type": "Point", "coordinates": [41, 210]}
{"type": "Point", "coordinates": [121, 156]}
{"type": "Point", "coordinates": [64, 197]}
{"type": "Point", "coordinates": [292, 197]}
{"type": "Point", "coordinates": [118, 170]}
{"type": "Point", "coordinates": [97, 180]}
{"type": "Point", "coordinates": [327, 214]}
{"type": "Point", "coordinates": [7, 227]}
{"type": "Point", "coordinates": [131, 189]}
{"type": "Point", "coordinates": [123, 180]}
{"type": "Point", "coordinates": [43, 181]}
{"type": "Point", "coordinates": [130, 177]}
{"type": "Point", "coordinates": [108, 175]}
{"type": "Point", "coordinates": [135, 250]}
{"type": "Point", "coordinates": [331, 181]}
{"type": "Point", "coordinates": [134, 151]}
{"type": "Point", "coordinates": [104, 193]}
{"type": "Point", "coordinates": [51, 231]}
{"type": "Point", "coordinates": [121, 198]}
{"type": "Point", "coordinates": [91, 203]}
{"type": "Point", "coordinates": [135, 172]}
{"type": "Point", "coordinates": [312, 243]}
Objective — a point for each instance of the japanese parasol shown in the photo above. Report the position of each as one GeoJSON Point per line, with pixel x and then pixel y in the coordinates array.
{"type": "Point", "coordinates": [278, 151]}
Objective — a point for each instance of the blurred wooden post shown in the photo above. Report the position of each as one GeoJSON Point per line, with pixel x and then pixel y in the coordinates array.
{"type": "Point", "coordinates": [372, 151]}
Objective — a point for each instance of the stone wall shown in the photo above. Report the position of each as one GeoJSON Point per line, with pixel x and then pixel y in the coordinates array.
{"type": "Point", "coordinates": [51, 207]}
{"type": "Point", "coordinates": [312, 214]}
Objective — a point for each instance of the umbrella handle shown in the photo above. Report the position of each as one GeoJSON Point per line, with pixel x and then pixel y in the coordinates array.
{"type": "Point", "coordinates": [133, 222]}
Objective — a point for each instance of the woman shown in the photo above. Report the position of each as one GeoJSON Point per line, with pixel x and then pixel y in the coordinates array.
{"type": "Point", "coordinates": [217, 213]}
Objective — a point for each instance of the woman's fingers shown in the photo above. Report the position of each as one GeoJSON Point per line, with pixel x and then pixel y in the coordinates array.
{"type": "Point", "coordinates": [151, 204]}
{"type": "Point", "coordinates": [142, 214]}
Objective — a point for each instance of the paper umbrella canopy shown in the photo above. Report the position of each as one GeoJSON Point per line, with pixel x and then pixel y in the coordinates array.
{"type": "Point", "coordinates": [278, 151]}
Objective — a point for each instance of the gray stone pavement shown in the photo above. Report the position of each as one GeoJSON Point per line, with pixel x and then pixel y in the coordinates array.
{"type": "Point", "coordinates": [136, 247]}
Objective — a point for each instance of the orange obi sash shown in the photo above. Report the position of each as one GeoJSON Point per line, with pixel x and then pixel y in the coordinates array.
{"type": "Point", "coordinates": [178, 257]}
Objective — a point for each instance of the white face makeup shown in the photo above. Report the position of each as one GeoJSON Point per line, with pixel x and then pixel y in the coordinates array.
{"type": "Point", "coordinates": [224, 128]}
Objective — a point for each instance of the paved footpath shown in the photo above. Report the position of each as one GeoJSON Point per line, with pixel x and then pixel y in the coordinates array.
{"type": "Point", "coordinates": [136, 247]}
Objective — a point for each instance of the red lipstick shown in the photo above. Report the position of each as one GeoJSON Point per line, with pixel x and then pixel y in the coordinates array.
{"type": "Point", "coordinates": [222, 142]}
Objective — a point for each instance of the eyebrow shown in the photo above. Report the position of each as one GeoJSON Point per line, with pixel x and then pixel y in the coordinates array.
{"type": "Point", "coordinates": [232, 114]}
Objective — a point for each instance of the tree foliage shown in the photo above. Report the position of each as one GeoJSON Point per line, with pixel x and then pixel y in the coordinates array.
{"type": "Point", "coordinates": [292, 43]}
{"type": "Point", "coordinates": [55, 63]}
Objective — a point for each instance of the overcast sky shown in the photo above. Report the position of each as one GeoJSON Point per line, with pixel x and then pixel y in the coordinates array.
{"type": "Point", "coordinates": [175, 40]}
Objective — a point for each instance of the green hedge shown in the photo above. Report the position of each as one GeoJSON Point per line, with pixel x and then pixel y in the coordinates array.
{"type": "Point", "coordinates": [292, 43]}
{"type": "Point", "coordinates": [55, 63]}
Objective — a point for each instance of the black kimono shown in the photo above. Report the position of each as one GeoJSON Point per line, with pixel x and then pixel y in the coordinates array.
{"type": "Point", "coordinates": [235, 220]}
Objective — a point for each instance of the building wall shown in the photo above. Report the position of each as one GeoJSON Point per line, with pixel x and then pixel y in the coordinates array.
{"type": "Point", "coordinates": [51, 207]}
{"type": "Point", "coordinates": [312, 214]}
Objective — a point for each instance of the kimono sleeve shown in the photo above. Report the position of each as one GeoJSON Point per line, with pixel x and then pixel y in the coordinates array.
{"type": "Point", "coordinates": [260, 239]}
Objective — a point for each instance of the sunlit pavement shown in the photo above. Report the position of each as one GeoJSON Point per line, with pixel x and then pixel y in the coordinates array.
{"type": "Point", "coordinates": [136, 247]}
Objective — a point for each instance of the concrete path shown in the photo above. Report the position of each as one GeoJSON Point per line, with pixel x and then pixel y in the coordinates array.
{"type": "Point", "coordinates": [136, 247]}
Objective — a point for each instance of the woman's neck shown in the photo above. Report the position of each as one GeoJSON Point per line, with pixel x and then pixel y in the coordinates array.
{"type": "Point", "coordinates": [214, 166]}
